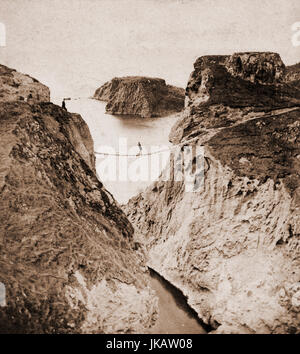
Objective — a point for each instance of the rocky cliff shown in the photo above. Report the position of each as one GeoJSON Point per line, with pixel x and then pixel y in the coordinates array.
{"type": "Point", "coordinates": [15, 86]}
{"type": "Point", "coordinates": [66, 249]}
{"type": "Point", "coordinates": [141, 96]}
{"type": "Point", "coordinates": [292, 74]}
{"type": "Point", "coordinates": [232, 246]}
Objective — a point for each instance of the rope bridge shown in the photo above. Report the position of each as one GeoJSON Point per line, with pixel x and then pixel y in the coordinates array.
{"type": "Point", "coordinates": [125, 155]}
{"type": "Point", "coordinates": [148, 153]}
{"type": "Point", "coordinates": [132, 155]}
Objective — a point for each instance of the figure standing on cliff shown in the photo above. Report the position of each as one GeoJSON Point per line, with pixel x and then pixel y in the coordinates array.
{"type": "Point", "coordinates": [140, 147]}
{"type": "Point", "coordinates": [64, 105]}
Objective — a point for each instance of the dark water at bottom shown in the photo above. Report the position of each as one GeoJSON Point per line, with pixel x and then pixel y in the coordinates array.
{"type": "Point", "coordinates": [175, 315]}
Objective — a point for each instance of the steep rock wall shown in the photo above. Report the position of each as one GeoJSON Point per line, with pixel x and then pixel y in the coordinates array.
{"type": "Point", "coordinates": [240, 80]}
{"type": "Point", "coordinates": [292, 75]}
{"type": "Point", "coordinates": [292, 72]}
{"type": "Point", "coordinates": [233, 246]}
{"type": "Point", "coordinates": [75, 128]}
{"type": "Point", "coordinates": [66, 248]}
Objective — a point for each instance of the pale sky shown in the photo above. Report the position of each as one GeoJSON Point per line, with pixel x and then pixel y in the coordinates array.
{"type": "Point", "coordinates": [73, 46]}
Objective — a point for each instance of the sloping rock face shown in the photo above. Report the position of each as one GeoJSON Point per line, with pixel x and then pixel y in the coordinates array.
{"type": "Point", "coordinates": [15, 86]}
{"type": "Point", "coordinates": [240, 80]}
{"type": "Point", "coordinates": [141, 96]}
{"type": "Point", "coordinates": [292, 75]}
{"type": "Point", "coordinates": [233, 246]}
{"type": "Point", "coordinates": [266, 68]}
{"type": "Point", "coordinates": [103, 92]}
{"type": "Point", "coordinates": [66, 248]}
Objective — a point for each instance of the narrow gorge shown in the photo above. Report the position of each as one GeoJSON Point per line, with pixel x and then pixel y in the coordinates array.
{"type": "Point", "coordinates": [73, 260]}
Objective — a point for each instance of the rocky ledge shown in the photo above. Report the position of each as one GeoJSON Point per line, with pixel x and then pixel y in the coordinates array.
{"type": "Point", "coordinates": [233, 246]}
{"type": "Point", "coordinates": [15, 86]}
{"type": "Point", "coordinates": [292, 75]}
{"type": "Point", "coordinates": [141, 96]}
{"type": "Point", "coordinates": [67, 257]}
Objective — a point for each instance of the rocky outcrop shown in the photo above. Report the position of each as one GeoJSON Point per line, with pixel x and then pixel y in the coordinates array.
{"type": "Point", "coordinates": [256, 67]}
{"type": "Point", "coordinates": [253, 80]}
{"type": "Point", "coordinates": [225, 90]}
{"type": "Point", "coordinates": [292, 75]}
{"type": "Point", "coordinates": [66, 248]}
{"type": "Point", "coordinates": [232, 246]}
{"type": "Point", "coordinates": [76, 131]}
{"type": "Point", "coordinates": [103, 92]}
{"type": "Point", "coordinates": [141, 96]}
{"type": "Point", "coordinates": [15, 86]}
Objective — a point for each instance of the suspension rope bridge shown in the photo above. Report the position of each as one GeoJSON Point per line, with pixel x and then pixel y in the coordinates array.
{"type": "Point", "coordinates": [171, 148]}
{"type": "Point", "coordinates": [275, 113]}
{"type": "Point", "coordinates": [129, 155]}
{"type": "Point", "coordinates": [132, 155]}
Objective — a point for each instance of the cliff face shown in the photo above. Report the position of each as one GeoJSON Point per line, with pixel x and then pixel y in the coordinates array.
{"type": "Point", "coordinates": [142, 96]}
{"type": "Point", "coordinates": [240, 80]}
{"type": "Point", "coordinates": [76, 130]}
{"type": "Point", "coordinates": [232, 247]}
{"type": "Point", "coordinates": [66, 248]}
{"type": "Point", "coordinates": [15, 86]}
{"type": "Point", "coordinates": [292, 75]}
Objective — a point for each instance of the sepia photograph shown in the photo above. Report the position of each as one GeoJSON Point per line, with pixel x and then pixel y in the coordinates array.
{"type": "Point", "coordinates": [150, 169]}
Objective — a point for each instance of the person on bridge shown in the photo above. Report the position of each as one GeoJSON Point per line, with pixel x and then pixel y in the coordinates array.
{"type": "Point", "coordinates": [140, 147]}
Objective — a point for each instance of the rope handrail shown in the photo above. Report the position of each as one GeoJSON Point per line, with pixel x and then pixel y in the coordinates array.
{"type": "Point", "coordinates": [275, 113]}
{"type": "Point", "coordinates": [132, 155]}
{"type": "Point", "coordinates": [125, 155]}
{"type": "Point", "coordinates": [148, 153]}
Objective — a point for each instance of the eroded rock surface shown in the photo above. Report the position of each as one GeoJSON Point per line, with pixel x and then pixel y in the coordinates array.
{"type": "Point", "coordinates": [240, 80]}
{"type": "Point", "coordinates": [232, 247]}
{"type": "Point", "coordinates": [141, 96]}
{"type": "Point", "coordinates": [292, 75]}
{"type": "Point", "coordinates": [15, 86]}
{"type": "Point", "coordinates": [66, 248]}
{"type": "Point", "coordinates": [293, 72]}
